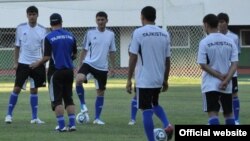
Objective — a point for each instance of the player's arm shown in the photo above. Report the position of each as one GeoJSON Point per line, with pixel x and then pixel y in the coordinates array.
{"type": "Point", "coordinates": [112, 55]}
{"type": "Point", "coordinates": [46, 57]}
{"type": "Point", "coordinates": [84, 51]}
{"type": "Point", "coordinates": [234, 64]}
{"type": "Point", "coordinates": [131, 68]}
{"type": "Point", "coordinates": [209, 70]}
{"type": "Point", "coordinates": [166, 75]}
{"type": "Point", "coordinates": [17, 46]}
{"type": "Point", "coordinates": [16, 56]}
{"type": "Point", "coordinates": [74, 53]}
{"type": "Point", "coordinates": [112, 62]}
{"type": "Point", "coordinates": [228, 77]}
{"type": "Point", "coordinates": [231, 71]}
{"type": "Point", "coordinates": [82, 56]}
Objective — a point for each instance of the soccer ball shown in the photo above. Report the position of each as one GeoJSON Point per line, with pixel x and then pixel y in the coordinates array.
{"type": "Point", "coordinates": [160, 134]}
{"type": "Point", "coordinates": [81, 118]}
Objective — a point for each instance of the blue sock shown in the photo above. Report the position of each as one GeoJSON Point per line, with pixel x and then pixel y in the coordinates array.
{"type": "Point", "coordinates": [214, 120]}
{"type": "Point", "coordinates": [34, 105]}
{"type": "Point", "coordinates": [12, 103]}
{"type": "Point", "coordinates": [230, 121]}
{"type": "Point", "coordinates": [98, 106]}
{"type": "Point", "coordinates": [148, 123]}
{"type": "Point", "coordinates": [60, 121]}
{"type": "Point", "coordinates": [236, 107]}
{"type": "Point", "coordinates": [160, 113]}
{"type": "Point", "coordinates": [71, 120]}
{"type": "Point", "coordinates": [133, 108]}
{"type": "Point", "coordinates": [80, 93]}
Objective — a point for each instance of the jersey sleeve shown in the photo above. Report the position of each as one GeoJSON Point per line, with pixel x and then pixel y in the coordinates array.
{"type": "Point", "coordinates": [112, 46]}
{"type": "Point", "coordinates": [134, 46]}
{"type": "Point", "coordinates": [47, 47]}
{"type": "Point", "coordinates": [202, 55]}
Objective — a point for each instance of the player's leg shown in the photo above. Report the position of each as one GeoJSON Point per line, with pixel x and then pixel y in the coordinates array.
{"type": "Point", "coordinates": [100, 83]}
{"type": "Point", "coordinates": [133, 110]}
{"type": "Point", "coordinates": [22, 74]}
{"type": "Point", "coordinates": [37, 79]}
{"type": "Point", "coordinates": [161, 114]}
{"type": "Point", "coordinates": [236, 101]}
{"type": "Point", "coordinates": [81, 78]}
{"type": "Point", "coordinates": [212, 106]}
{"type": "Point", "coordinates": [33, 104]}
{"type": "Point", "coordinates": [145, 104]}
{"type": "Point", "coordinates": [56, 97]}
{"type": "Point", "coordinates": [68, 100]}
{"type": "Point", "coordinates": [226, 102]}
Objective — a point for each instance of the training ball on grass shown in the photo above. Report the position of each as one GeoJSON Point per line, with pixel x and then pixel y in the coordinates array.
{"type": "Point", "coordinates": [81, 118]}
{"type": "Point", "coordinates": [160, 134]}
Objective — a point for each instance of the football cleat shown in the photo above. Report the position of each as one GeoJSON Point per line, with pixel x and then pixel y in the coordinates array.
{"type": "Point", "coordinates": [8, 119]}
{"type": "Point", "coordinates": [36, 121]}
{"type": "Point", "coordinates": [237, 122]}
{"type": "Point", "coordinates": [64, 129]}
{"type": "Point", "coordinates": [57, 127]}
{"type": "Point", "coordinates": [72, 128]}
{"type": "Point", "coordinates": [131, 122]}
{"type": "Point", "coordinates": [98, 122]}
{"type": "Point", "coordinates": [84, 109]}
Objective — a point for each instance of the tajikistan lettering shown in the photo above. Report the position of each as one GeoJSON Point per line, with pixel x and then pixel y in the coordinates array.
{"type": "Point", "coordinates": [219, 44]}
{"type": "Point", "coordinates": [61, 37]}
{"type": "Point", "coordinates": [153, 34]}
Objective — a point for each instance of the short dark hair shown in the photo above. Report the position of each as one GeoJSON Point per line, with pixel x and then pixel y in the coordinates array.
{"type": "Point", "coordinates": [102, 14]}
{"type": "Point", "coordinates": [149, 13]}
{"type": "Point", "coordinates": [211, 20]}
{"type": "Point", "coordinates": [32, 9]}
{"type": "Point", "coordinates": [223, 16]}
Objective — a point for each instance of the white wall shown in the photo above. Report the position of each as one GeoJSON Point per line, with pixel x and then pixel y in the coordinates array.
{"type": "Point", "coordinates": [126, 12]}
{"type": "Point", "coordinates": [80, 13]}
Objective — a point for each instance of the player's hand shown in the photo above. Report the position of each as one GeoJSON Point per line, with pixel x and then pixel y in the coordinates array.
{"type": "Point", "coordinates": [34, 65]}
{"type": "Point", "coordinates": [15, 66]}
{"type": "Point", "coordinates": [223, 85]}
{"type": "Point", "coordinates": [129, 86]}
{"type": "Point", "coordinates": [164, 87]}
{"type": "Point", "coordinates": [111, 72]}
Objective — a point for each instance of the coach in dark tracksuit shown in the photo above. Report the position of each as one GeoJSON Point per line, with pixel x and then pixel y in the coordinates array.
{"type": "Point", "coordinates": [60, 47]}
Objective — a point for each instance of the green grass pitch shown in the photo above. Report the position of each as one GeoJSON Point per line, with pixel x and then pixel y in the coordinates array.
{"type": "Point", "coordinates": [182, 102]}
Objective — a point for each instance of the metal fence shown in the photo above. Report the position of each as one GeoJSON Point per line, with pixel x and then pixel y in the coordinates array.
{"type": "Point", "coordinates": [184, 47]}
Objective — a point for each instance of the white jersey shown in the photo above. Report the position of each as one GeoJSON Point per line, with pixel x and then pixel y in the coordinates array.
{"type": "Point", "coordinates": [30, 41]}
{"type": "Point", "coordinates": [152, 46]}
{"type": "Point", "coordinates": [98, 45]}
{"type": "Point", "coordinates": [218, 51]}
{"type": "Point", "coordinates": [235, 38]}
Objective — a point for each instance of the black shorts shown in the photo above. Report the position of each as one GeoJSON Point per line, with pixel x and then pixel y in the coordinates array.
{"type": "Point", "coordinates": [147, 97]}
{"type": "Point", "coordinates": [24, 71]}
{"type": "Point", "coordinates": [61, 88]}
{"type": "Point", "coordinates": [216, 100]}
{"type": "Point", "coordinates": [99, 75]}
{"type": "Point", "coordinates": [235, 85]}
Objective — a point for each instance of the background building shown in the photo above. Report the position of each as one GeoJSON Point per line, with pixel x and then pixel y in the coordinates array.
{"type": "Point", "coordinates": [182, 18]}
